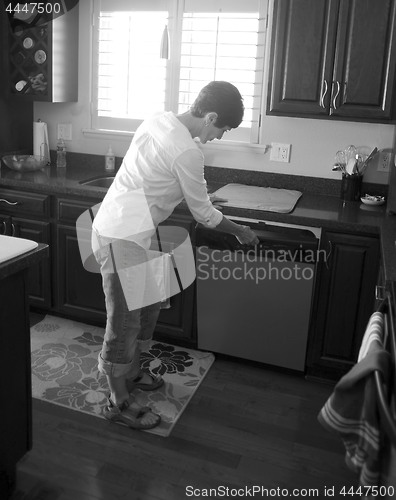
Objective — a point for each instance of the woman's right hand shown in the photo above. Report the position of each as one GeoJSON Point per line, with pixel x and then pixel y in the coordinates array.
{"type": "Point", "coordinates": [246, 235]}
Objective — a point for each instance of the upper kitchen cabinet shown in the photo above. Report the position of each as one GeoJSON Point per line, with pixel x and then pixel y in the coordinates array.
{"type": "Point", "coordinates": [41, 45]}
{"type": "Point", "coordinates": [333, 59]}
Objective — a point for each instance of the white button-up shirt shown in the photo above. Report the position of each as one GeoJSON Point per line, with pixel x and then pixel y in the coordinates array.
{"type": "Point", "coordinates": [162, 166]}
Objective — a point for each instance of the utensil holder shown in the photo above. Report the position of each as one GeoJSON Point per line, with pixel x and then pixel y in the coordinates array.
{"type": "Point", "coordinates": [351, 186]}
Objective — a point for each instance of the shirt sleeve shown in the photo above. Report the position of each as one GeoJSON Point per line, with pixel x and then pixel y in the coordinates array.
{"type": "Point", "coordinates": [189, 170]}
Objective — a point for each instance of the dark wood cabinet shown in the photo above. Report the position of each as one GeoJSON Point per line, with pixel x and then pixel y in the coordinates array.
{"type": "Point", "coordinates": [15, 382]}
{"type": "Point", "coordinates": [27, 215]}
{"type": "Point", "coordinates": [79, 293]}
{"type": "Point", "coordinates": [175, 322]}
{"type": "Point", "coordinates": [15, 118]}
{"type": "Point", "coordinates": [333, 59]}
{"type": "Point", "coordinates": [41, 52]}
{"type": "Point", "coordinates": [344, 301]}
{"type": "Point", "coordinates": [39, 276]}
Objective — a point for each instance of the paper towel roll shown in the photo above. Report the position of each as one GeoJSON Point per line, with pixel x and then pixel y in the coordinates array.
{"type": "Point", "coordinates": [40, 139]}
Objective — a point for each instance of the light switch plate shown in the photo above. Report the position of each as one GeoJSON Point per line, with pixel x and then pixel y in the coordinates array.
{"type": "Point", "coordinates": [280, 152]}
{"type": "Point", "coordinates": [65, 131]}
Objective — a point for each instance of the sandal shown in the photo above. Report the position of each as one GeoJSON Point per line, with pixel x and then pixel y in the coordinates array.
{"type": "Point", "coordinates": [132, 417]}
{"type": "Point", "coordinates": [157, 382]}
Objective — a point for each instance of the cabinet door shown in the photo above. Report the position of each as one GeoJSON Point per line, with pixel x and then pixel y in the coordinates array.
{"type": "Point", "coordinates": [15, 383]}
{"type": "Point", "coordinates": [302, 56]}
{"type": "Point", "coordinates": [80, 293]}
{"type": "Point", "coordinates": [175, 323]}
{"type": "Point", "coordinates": [364, 68]}
{"type": "Point", "coordinates": [41, 61]}
{"type": "Point", "coordinates": [343, 303]}
{"type": "Point", "coordinates": [39, 276]}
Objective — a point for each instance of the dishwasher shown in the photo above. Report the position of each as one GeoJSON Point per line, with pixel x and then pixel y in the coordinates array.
{"type": "Point", "coordinates": [255, 302]}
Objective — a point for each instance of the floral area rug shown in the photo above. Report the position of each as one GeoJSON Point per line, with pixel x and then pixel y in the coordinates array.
{"type": "Point", "coordinates": [64, 371]}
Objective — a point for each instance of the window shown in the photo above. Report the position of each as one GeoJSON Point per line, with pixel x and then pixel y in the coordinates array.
{"type": "Point", "coordinates": [209, 40]}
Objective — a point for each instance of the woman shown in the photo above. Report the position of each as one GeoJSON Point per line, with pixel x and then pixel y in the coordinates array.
{"type": "Point", "coordinates": [163, 166]}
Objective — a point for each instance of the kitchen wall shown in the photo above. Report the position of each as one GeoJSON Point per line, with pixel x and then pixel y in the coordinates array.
{"type": "Point", "coordinates": [314, 142]}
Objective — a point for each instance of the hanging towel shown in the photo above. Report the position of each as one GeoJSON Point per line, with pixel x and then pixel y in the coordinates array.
{"type": "Point", "coordinates": [352, 409]}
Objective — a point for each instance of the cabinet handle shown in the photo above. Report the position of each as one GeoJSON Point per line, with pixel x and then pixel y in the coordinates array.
{"type": "Point", "coordinates": [13, 232]}
{"type": "Point", "coordinates": [9, 202]}
{"type": "Point", "coordinates": [344, 95]}
{"type": "Point", "coordinates": [324, 92]}
{"type": "Point", "coordinates": [3, 223]}
{"type": "Point", "coordinates": [336, 95]}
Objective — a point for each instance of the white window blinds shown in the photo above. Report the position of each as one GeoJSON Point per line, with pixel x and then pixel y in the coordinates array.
{"type": "Point", "coordinates": [209, 40]}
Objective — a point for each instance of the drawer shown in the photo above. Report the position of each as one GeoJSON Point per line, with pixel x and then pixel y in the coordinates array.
{"type": "Point", "coordinates": [68, 210]}
{"type": "Point", "coordinates": [32, 205]}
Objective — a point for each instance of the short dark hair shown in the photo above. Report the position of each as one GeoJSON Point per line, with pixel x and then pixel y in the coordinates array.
{"type": "Point", "coordinates": [224, 99]}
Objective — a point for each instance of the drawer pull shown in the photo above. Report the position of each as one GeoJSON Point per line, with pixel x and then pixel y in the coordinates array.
{"type": "Point", "coordinates": [9, 202]}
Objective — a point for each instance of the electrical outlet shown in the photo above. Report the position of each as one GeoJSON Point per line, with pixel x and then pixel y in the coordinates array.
{"type": "Point", "coordinates": [280, 152]}
{"type": "Point", "coordinates": [65, 131]}
{"type": "Point", "coordinates": [384, 161]}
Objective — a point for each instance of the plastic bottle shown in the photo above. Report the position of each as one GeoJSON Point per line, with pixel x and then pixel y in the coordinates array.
{"type": "Point", "coordinates": [61, 153]}
{"type": "Point", "coordinates": [109, 160]}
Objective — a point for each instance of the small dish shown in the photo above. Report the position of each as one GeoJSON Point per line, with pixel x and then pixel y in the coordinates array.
{"type": "Point", "coordinates": [372, 200]}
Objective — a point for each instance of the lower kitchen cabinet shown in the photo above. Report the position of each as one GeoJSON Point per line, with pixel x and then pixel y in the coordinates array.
{"type": "Point", "coordinates": [39, 275]}
{"type": "Point", "coordinates": [175, 322]}
{"type": "Point", "coordinates": [27, 215]}
{"type": "Point", "coordinates": [16, 418]}
{"type": "Point", "coordinates": [80, 294]}
{"type": "Point", "coordinates": [343, 303]}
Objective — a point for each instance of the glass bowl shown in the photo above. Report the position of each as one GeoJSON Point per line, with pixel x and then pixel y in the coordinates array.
{"type": "Point", "coordinates": [25, 163]}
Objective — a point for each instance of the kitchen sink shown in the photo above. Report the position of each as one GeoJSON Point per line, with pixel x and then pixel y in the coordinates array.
{"type": "Point", "coordinates": [102, 182]}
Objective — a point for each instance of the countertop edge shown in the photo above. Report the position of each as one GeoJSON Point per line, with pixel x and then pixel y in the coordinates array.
{"type": "Point", "coordinates": [23, 261]}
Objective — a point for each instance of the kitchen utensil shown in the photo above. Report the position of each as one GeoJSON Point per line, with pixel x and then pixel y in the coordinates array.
{"type": "Point", "coordinates": [339, 162]}
{"type": "Point", "coordinates": [351, 166]}
{"type": "Point", "coordinates": [366, 161]}
{"type": "Point", "coordinates": [350, 152]}
{"type": "Point", "coordinates": [25, 163]}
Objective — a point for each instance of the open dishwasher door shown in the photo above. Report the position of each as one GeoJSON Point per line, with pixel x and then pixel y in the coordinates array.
{"type": "Point", "coordinates": [255, 302]}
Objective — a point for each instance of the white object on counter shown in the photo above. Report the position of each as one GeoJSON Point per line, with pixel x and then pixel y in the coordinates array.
{"type": "Point", "coordinates": [258, 198]}
{"type": "Point", "coordinates": [61, 153]}
{"type": "Point", "coordinates": [110, 160]}
{"type": "Point", "coordinates": [11, 247]}
{"type": "Point", "coordinates": [40, 139]}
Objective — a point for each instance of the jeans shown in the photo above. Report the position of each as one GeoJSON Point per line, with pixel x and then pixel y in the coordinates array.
{"type": "Point", "coordinates": [125, 278]}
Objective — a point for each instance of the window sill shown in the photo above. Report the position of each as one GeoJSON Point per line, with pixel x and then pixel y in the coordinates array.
{"type": "Point", "coordinates": [92, 133]}
{"type": "Point", "coordinates": [220, 146]}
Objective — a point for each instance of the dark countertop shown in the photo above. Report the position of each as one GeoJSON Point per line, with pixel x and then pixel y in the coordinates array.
{"type": "Point", "coordinates": [314, 208]}
{"type": "Point", "coordinates": [22, 261]}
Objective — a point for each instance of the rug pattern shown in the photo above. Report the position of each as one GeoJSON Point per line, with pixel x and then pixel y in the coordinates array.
{"type": "Point", "coordinates": [65, 371]}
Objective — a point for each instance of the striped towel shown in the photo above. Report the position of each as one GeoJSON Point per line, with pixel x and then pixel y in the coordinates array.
{"type": "Point", "coordinates": [352, 409]}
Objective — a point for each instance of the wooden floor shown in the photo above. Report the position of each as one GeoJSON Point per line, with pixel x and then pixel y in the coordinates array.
{"type": "Point", "coordinates": [245, 426]}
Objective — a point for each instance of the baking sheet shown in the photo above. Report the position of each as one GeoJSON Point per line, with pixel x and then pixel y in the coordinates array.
{"type": "Point", "coordinates": [259, 198]}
